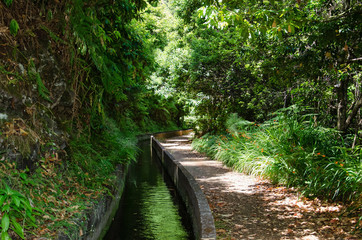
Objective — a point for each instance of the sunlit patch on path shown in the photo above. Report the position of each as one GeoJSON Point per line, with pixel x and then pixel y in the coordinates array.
{"type": "Point", "coordinates": [246, 207]}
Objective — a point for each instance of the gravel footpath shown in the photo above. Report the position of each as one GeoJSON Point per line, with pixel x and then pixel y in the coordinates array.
{"type": "Point", "coordinates": [246, 207]}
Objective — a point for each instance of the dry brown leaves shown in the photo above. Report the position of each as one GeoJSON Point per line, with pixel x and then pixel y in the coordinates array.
{"type": "Point", "coordinates": [278, 213]}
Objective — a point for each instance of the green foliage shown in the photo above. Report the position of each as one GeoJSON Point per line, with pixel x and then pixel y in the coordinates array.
{"type": "Point", "coordinates": [35, 76]}
{"type": "Point", "coordinates": [14, 27]}
{"type": "Point", "coordinates": [160, 31]}
{"type": "Point", "coordinates": [8, 2]}
{"type": "Point", "coordinates": [147, 69]}
{"type": "Point", "coordinates": [15, 77]}
{"type": "Point", "coordinates": [260, 18]}
{"type": "Point", "coordinates": [102, 32]}
{"type": "Point", "coordinates": [49, 15]}
{"type": "Point", "coordinates": [117, 43]}
{"type": "Point", "coordinates": [14, 207]}
{"type": "Point", "coordinates": [290, 149]}
{"type": "Point", "coordinates": [99, 155]}
{"type": "Point", "coordinates": [43, 91]}
{"type": "Point", "coordinates": [222, 82]}
{"type": "Point", "coordinates": [259, 56]}
{"type": "Point", "coordinates": [186, 9]}
{"type": "Point", "coordinates": [53, 35]}
{"type": "Point", "coordinates": [73, 183]}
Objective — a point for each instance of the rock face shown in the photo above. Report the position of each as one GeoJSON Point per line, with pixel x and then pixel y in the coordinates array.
{"type": "Point", "coordinates": [28, 119]}
{"type": "Point", "coordinates": [9, 104]}
{"type": "Point", "coordinates": [38, 96]}
{"type": "Point", "coordinates": [36, 89]}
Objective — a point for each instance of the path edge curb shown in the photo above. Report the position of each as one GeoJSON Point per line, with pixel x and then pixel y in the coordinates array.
{"type": "Point", "coordinates": [187, 186]}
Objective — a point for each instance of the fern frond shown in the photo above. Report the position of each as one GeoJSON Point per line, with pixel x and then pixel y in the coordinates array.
{"type": "Point", "coordinates": [35, 76]}
{"type": "Point", "coordinates": [43, 91]}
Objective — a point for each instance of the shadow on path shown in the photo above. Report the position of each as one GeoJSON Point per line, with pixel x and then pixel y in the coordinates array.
{"type": "Point", "coordinates": [245, 207]}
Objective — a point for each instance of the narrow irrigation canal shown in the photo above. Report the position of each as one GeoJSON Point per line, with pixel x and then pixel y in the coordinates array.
{"type": "Point", "coordinates": [150, 207]}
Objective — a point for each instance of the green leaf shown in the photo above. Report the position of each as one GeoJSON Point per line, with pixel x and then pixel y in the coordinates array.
{"type": "Point", "coordinates": [5, 222]}
{"type": "Point", "coordinates": [14, 27]}
{"type": "Point", "coordinates": [26, 204]}
{"type": "Point", "coordinates": [30, 216]}
{"type": "Point", "coordinates": [8, 190]}
{"type": "Point", "coordinates": [16, 200]}
{"type": "Point", "coordinates": [34, 75]}
{"type": "Point", "coordinates": [17, 228]}
{"type": "Point", "coordinates": [23, 176]}
{"type": "Point", "coordinates": [43, 91]}
{"type": "Point", "coordinates": [6, 208]}
{"type": "Point", "coordinates": [37, 211]}
{"type": "Point", "coordinates": [8, 2]}
{"type": "Point", "coordinates": [2, 199]}
{"type": "Point", "coordinates": [5, 236]}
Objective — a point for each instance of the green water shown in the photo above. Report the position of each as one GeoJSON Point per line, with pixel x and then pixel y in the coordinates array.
{"type": "Point", "coordinates": [150, 207]}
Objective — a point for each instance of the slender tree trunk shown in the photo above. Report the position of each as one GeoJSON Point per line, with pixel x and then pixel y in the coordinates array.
{"type": "Point", "coordinates": [357, 105]}
{"type": "Point", "coordinates": [342, 105]}
{"type": "Point", "coordinates": [345, 121]}
{"type": "Point", "coordinates": [357, 136]}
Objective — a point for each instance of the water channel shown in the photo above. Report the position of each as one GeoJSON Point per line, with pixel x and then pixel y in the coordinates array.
{"type": "Point", "coordinates": [150, 207]}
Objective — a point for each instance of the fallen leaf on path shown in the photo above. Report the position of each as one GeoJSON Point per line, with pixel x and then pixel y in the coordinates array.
{"type": "Point", "coordinates": [334, 220]}
{"type": "Point", "coordinates": [238, 226]}
{"type": "Point", "coordinates": [310, 237]}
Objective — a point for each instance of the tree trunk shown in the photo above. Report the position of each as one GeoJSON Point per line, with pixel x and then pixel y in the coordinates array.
{"type": "Point", "coordinates": [357, 105]}
{"type": "Point", "coordinates": [342, 104]}
{"type": "Point", "coordinates": [344, 121]}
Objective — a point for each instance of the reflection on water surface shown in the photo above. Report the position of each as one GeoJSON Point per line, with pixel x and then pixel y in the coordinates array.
{"type": "Point", "coordinates": [150, 207]}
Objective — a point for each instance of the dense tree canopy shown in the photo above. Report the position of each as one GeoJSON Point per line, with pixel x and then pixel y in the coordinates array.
{"type": "Point", "coordinates": [254, 57]}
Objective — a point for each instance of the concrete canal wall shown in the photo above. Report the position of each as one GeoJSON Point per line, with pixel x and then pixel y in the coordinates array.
{"type": "Point", "coordinates": [97, 220]}
{"type": "Point", "coordinates": [94, 224]}
{"type": "Point", "coordinates": [196, 203]}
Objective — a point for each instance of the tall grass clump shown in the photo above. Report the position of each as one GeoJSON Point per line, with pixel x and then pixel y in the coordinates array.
{"type": "Point", "coordinates": [290, 149]}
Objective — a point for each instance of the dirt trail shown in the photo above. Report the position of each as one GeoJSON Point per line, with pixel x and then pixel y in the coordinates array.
{"type": "Point", "coordinates": [245, 207]}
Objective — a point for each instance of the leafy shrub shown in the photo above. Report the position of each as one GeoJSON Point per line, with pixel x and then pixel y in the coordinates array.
{"type": "Point", "coordinates": [290, 149]}
{"type": "Point", "coordinates": [99, 155]}
{"type": "Point", "coordinates": [14, 207]}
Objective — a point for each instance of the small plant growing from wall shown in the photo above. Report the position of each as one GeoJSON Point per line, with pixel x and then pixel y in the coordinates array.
{"type": "Point", "coordinates": [14, 27]}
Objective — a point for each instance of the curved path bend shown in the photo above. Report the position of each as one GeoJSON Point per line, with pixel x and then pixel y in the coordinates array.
{"type": "Point", "coordinates": [245, 207]}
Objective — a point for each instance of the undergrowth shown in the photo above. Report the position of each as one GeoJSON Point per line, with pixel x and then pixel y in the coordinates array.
{"type": "Point", "coordinates": [63, 189]}
{"type": "Point", "coordinates": [57, 193]}
{"type": "Point", "coordinates": [291, 149]}
{"type": "Point", "coordinates": [99, 155]}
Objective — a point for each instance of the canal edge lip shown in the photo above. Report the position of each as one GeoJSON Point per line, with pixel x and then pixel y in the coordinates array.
{"type": "Point", "coordinates": [193, 196]}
